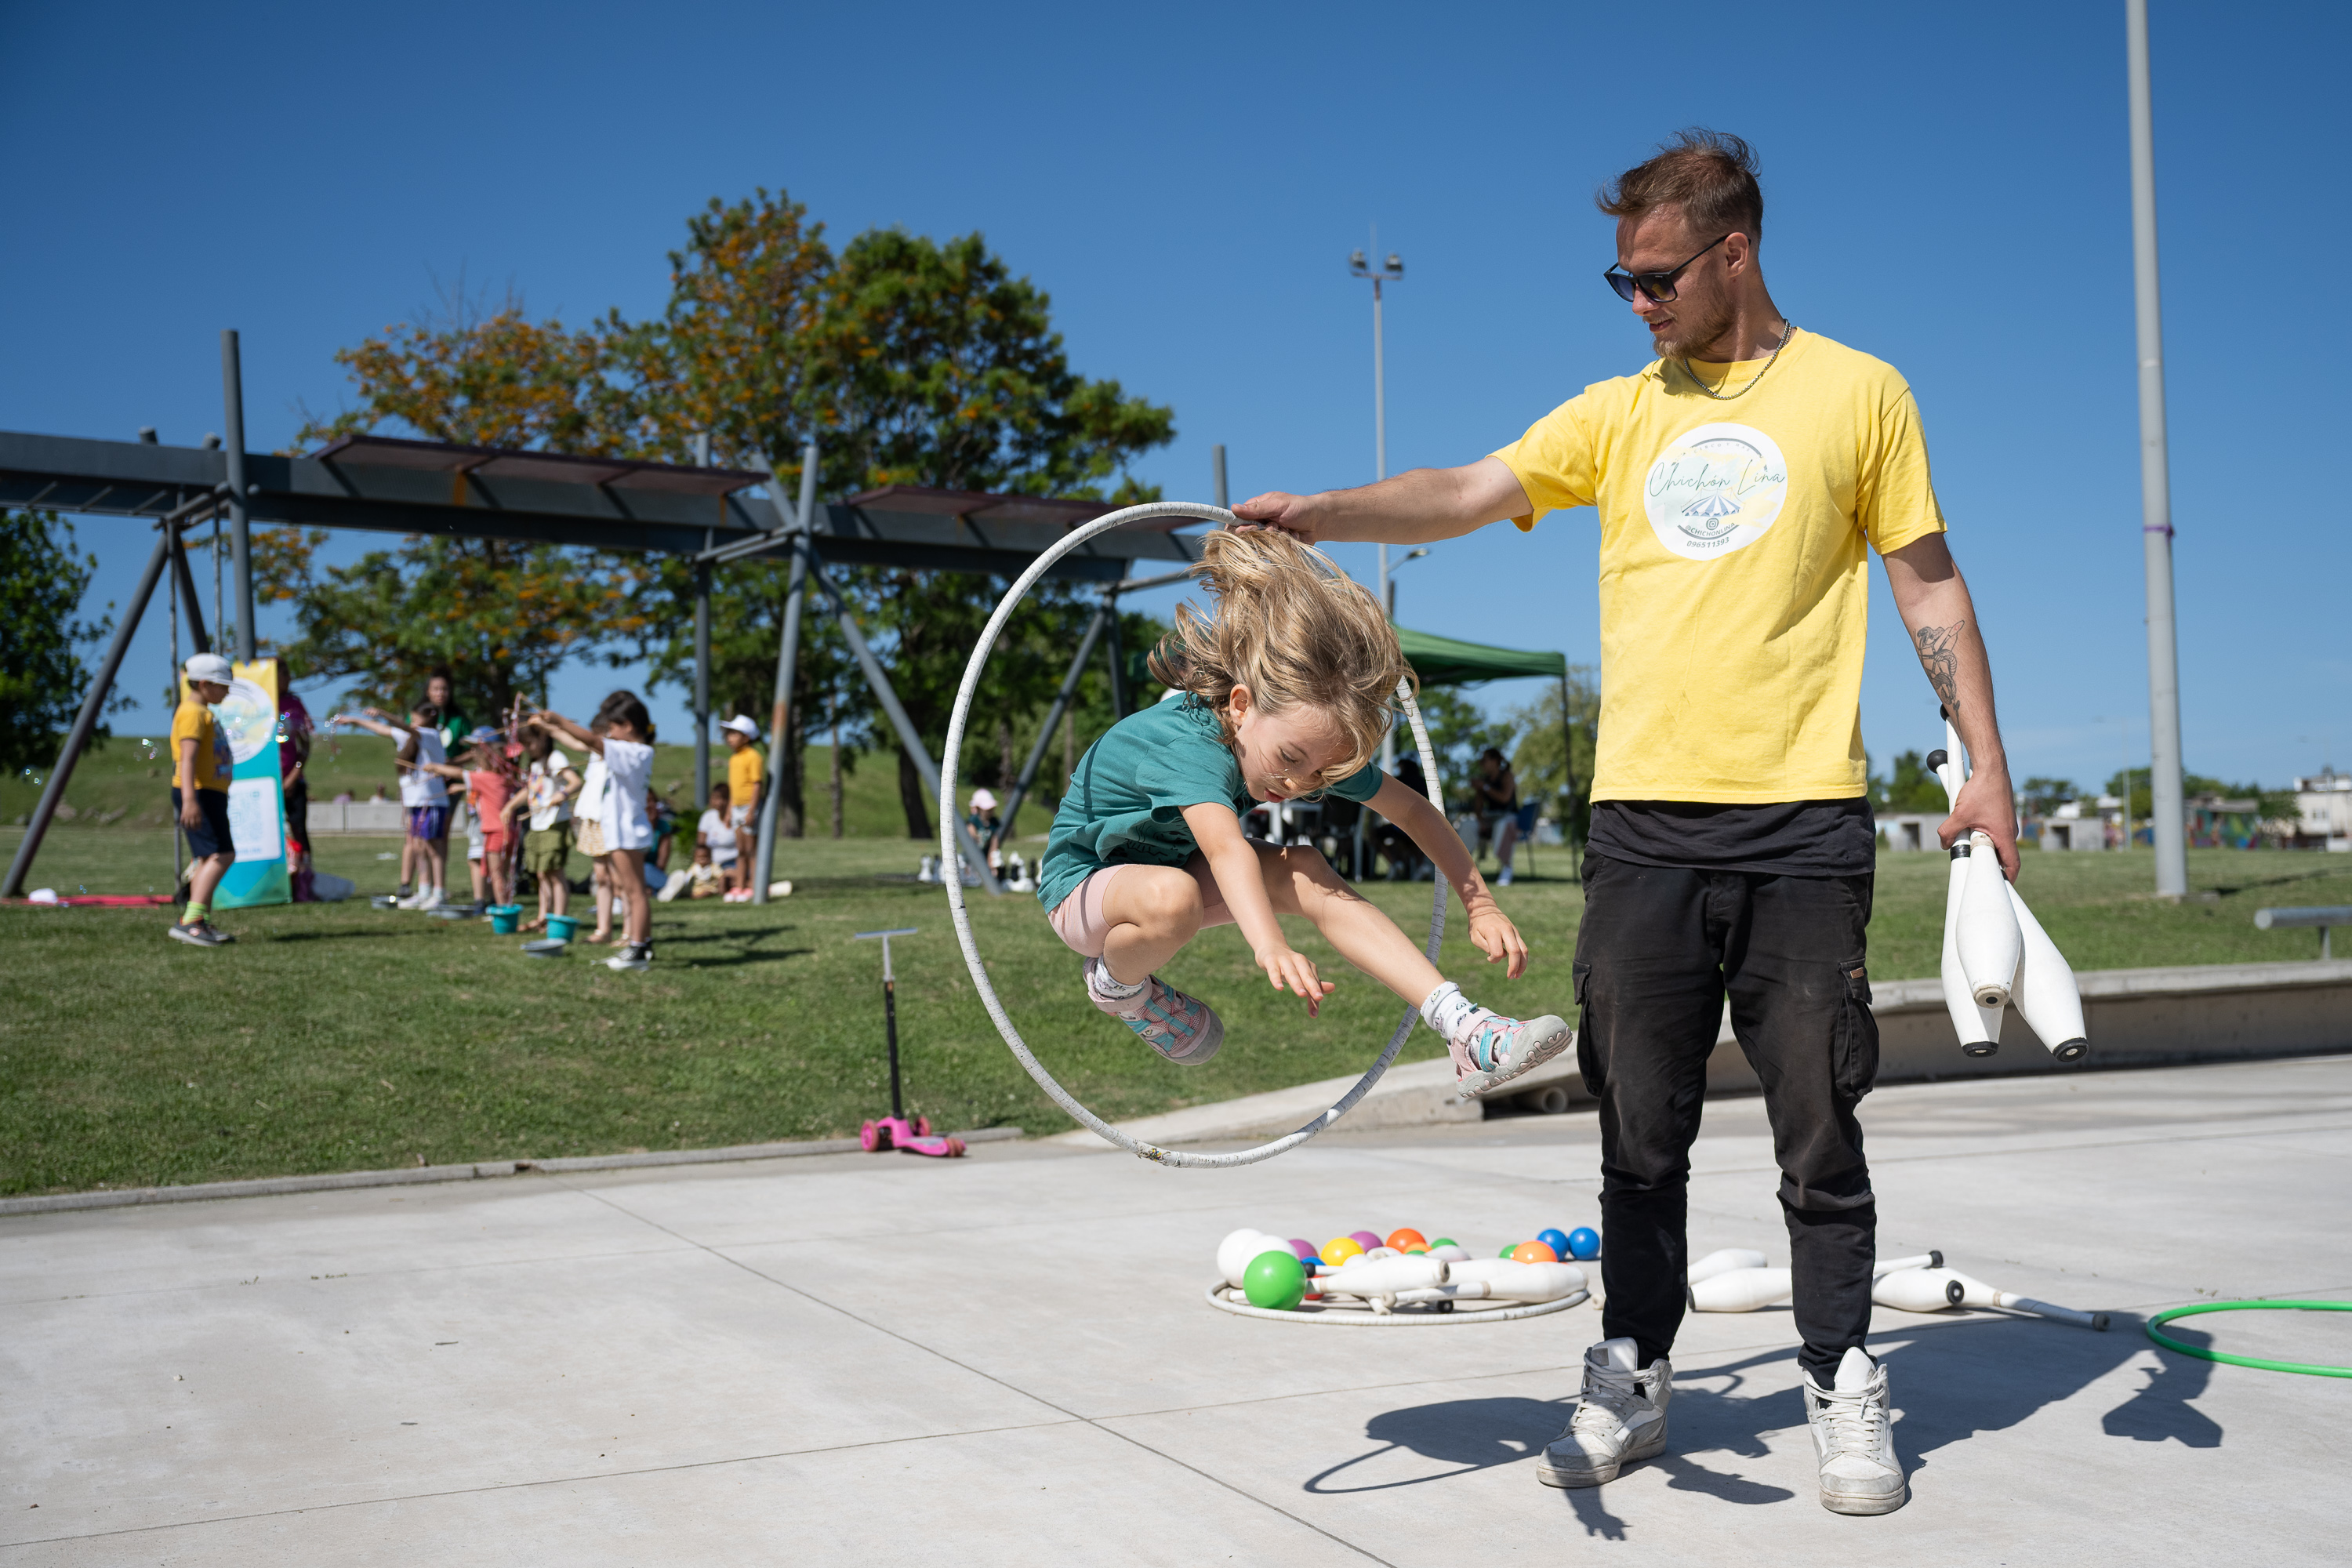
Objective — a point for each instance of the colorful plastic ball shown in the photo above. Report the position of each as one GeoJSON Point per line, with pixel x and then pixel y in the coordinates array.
{"type": "Point", "coordinates": [1306, 1249]}
{"type": "Point", "coordinates": [1584, 1242]}
{"type": "Point", "coordinates": [1526, 1252]}
{"type": "Point", "coordinates": [1366, 1239]}
{"type": "Point", "coordinates": [1407, 1238]}
{"type": "Point", "coordinates": [1555, 1238]}
{"type": "Point", "coordinates": [1275, 1280]}
{"type": "Point", "coordinates": [1445, 1241]}
{"type": "Point", "coordinates": [1416, 1252]}
{"type": "Point", "coordinates": [1340, 1248]}
{"type": "Point", "coordinates": [1507, 1249]}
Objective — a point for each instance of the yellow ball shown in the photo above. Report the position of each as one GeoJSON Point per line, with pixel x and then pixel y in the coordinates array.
{"type": "Point", "coordinates": [1340, 1248]}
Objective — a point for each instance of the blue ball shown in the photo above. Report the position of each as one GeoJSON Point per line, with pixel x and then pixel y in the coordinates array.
{"type": "Point", "coordinates": [1555, 1238]}
{"type": "Point", "coordinates": [1584, 1243]}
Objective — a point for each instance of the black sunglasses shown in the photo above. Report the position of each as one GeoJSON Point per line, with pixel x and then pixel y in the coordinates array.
{"type": "Point", "coordinates": [1658, 286]}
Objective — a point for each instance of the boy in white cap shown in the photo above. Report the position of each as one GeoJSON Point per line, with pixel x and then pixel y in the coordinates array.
{"type": "Point", "coordinates": [201, 763]}
{"type": "Point", "coordinates": [745, 769]}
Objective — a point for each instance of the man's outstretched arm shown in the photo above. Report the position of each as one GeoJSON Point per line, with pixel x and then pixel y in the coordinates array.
{"type": "Point", "coordinates": [1933, 598]}
{"type": "Point", "coordinates": [1415, 508]}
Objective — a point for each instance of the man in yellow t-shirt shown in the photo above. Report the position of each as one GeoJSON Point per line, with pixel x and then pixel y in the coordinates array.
{"type": "Point", "coordinates": [744, 772]}
{"type": "Point", "coordinates": [1741, 480]}
{"type": "Point", "coordinates": [201, 766]}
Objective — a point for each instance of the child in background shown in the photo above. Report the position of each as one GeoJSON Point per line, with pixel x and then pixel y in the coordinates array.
{"type": "Point", "coordinates": [699, 880]}
{"type": "Point", "coordinates": [621, 739]}
{"type": "Point", "coordinates": [745, 770]}
{"type": "Point", "coordinates": [424, 856]}
{"type": "Point", "coordinates": [986, 830]}
{"type": "Point", "coordinates": [1287, 694]}
{"type": "Point", "coordinates": [664, 816]}
{"type": "Point", "coordinates": [489, 780]}
{"type": "Point", "coordinates": [716, 833]}
{"type": "Point", "coordinates": [547, 846]}
{"type": "Point", "coordinates": [294, 735]}
{"type": "Point", "coordinates": [201, 762]}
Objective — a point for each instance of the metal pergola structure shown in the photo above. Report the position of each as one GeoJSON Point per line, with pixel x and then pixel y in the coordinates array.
{"type": "Point", "coordinates": [706, 515]}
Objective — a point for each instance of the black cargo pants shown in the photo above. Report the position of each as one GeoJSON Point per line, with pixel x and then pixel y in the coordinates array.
{"type": "Point", "coordinates": [1659, 950]}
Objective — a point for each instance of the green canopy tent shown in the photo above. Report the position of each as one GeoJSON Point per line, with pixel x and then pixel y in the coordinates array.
{"type": "Point", "coordinates": [1447, 661]}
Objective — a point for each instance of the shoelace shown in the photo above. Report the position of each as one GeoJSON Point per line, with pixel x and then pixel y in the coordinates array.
{"type": "Point", "coordinates": [1609, 1398]}
{"type": "Point", "coordinates": [1855, 1420]}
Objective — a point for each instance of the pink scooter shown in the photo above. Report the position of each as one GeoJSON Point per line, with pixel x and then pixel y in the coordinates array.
{"type": "Point", "coordinates": [895, 1131]}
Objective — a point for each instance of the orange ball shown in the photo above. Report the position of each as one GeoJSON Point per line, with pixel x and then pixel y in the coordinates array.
{"type": "Point", "coordinates": [1406, 1239]}
{"type": "Point", "coordinates": [1340, 1248]}
{"type": "Point", "coordinates": [1534, 1252]}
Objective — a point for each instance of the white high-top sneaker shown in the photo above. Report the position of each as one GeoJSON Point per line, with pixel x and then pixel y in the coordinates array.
{"type": "Point", "coordinates": [428, 898]}
{"type": "Point", "coordinates": [1619, 1417]}
{"type": "Point", "coordinates": [1854, 1439]}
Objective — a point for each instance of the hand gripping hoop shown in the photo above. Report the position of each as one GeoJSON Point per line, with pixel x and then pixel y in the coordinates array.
{"type": "Point", "coordinates": [948, 775]}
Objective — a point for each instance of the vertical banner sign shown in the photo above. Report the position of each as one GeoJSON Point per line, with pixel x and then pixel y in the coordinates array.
{"type": "Point", "coordinates": [257, 800]}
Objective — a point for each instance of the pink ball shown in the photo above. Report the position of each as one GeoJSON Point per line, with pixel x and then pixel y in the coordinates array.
{"type": "Point", "coordinates": [1366, 1239]}
{"type": "Point", "coordinates": [1306, 1249]}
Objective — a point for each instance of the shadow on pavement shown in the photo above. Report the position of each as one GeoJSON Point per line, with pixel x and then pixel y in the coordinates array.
{"type": "Point", "coordinates": [1951, 1382]}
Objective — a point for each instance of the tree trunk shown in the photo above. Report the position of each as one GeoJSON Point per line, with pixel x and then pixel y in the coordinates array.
{"type": "Point", "coordinates": [910, 798]}
{"type": "Point", "coordinates": [1069, 749]}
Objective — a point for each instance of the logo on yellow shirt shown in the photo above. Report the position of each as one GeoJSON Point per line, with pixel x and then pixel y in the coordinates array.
{"type": "Point", "coordinates": [1716, 490]}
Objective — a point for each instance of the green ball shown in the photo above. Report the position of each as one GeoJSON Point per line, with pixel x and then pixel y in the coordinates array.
{"type": "Point", "coordinates": [1508, 1247]}
{"type": "Point", "coordinates": [1445, 1241]}
{"type": "Point", "coordinates": [1276, 1281]}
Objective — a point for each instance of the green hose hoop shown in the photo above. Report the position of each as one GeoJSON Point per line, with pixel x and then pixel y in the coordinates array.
{"type": "Point", "coordinates": [2168, 1342]}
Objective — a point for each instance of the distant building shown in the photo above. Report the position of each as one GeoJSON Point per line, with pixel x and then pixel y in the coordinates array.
{"type": "Point", "coordinates": [2217, 822]}
{"type": "Point", "coordinates": [2071, 828]}
{"type": "Point", "coordinates": [1911, 829]}
{"type": "Point", "coordinates": [2323, 805]}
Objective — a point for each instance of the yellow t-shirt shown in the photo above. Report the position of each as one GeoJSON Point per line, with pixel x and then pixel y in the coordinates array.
{"type": "Point", "coordinates": [1735, 583]}
{"type": "Point", "coordinates": [744, 773]}
{"type": "Point", "coordinates": [215, 762]}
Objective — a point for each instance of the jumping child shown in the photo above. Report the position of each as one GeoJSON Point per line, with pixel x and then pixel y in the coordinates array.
{"type": "Point", "coordinates": [621, 737]}
{"type": "Point", "coordinates": [1286, 694]}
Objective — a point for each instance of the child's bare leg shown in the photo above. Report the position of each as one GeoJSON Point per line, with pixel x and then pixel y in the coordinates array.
{"type": "Point", "coordinates": [436, 860]}
{"type": "Point", "coordinates": [601, 880]}
{"type": "Point", "coordinates": [1154, 911]}
{"type": "Point", "coordinates": [1299, 881]}
{"type": "Point", "coordinates": [629, 875]}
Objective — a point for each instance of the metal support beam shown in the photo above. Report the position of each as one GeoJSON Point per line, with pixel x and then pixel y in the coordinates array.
{"type": "Point", "coordinates": [788, 653]}
{"type": "Point", "coordinates": [884, 693]}
{"type": "Point", "coordinates": [2168, 808]}
{"type": "Point", "coordinates": [1054, 716]}
{"type": "Point", "coordinates": [1117, 657]}
{"type": "Point", "coordinates": [701, 686]}
{"type": "Point", "coordinates": [86, 722]}
{"type": "Point", "coordinates": [187, 581]}
{"type": "Point", "coordinates": [240, 524]}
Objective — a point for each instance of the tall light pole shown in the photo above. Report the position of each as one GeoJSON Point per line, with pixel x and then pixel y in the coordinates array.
{"type": "Point", "coordinates": [1409, 556]}
{"type": "Point", "coordinates": [2166, 806]}
{"type": "Point", "coordinates": [1360, 266]}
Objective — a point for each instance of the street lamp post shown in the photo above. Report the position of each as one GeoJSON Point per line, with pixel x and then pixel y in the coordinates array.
{"type": "Point", "coordinates": [1360, 266]}
{"type": "Point", "coordinates": [1409, 555]}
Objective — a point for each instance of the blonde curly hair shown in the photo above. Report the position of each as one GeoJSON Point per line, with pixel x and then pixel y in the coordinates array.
{"type": "Point", "coordinates": [1294, 629]}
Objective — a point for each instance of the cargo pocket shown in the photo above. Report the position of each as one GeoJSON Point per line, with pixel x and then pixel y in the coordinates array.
{"type": "Point", "coordinates": [1856, 1062]}
{"type": "Point", "coordinates": [1588, 1061]}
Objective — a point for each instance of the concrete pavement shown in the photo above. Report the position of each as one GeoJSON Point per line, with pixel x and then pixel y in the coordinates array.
{"type": "Point", "coordinates": [1006, 1358]}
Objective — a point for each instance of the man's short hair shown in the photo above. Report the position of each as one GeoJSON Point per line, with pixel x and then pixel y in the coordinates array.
{"type": "Point", "coordinates": [1710, 175]}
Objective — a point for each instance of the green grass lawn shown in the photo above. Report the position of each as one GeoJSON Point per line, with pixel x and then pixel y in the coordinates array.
{"type": "Point", "coordinates": [337, 1037]}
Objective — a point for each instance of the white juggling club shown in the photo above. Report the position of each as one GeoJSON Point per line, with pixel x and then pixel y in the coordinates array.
{"type": "Point", "coordinates": [1741, 1290]}
{"type": "Point", "coordinates": [1381, 1276]}
{"type": "Point", "coordinates": [1990, 943]}
{"type": "Point", "coordinates": [1978, 1028]}
{"type": "Point", "coordinates": [1976, 1293]}
{"type": "Point", "coordinates": [2045, 992]}
{"type": "Point", "coordinates": [1507, 1280]}
{"type": "Point", "coordinates": [1723, 1262]}
{"type": "Point", "coordinates": [1916, 1291]}
{"type": "Point", "coordinates": [1897, 1265]}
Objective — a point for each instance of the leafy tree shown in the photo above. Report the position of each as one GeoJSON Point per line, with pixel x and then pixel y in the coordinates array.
{"type": "Point", "coordinates": [1912, 787]}
{"type": "Point", "coordinates": [2044, 795]}
{"type": "Point", "coordinates": [2276, 805]}
{"type": "Point", "coordinates": [43, 576]}
{"type": "Point", "coordinates": [1538, 760]}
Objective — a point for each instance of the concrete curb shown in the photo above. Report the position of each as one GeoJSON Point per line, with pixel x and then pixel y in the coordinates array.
{"type": "Point", "coordinates": [2136, 1017]}
{"type": "Point", "coordinates": [132, 1197]}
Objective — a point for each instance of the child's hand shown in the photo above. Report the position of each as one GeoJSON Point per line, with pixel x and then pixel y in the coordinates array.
{"type": "Point", "coordinates": [1291, 971]}
{"type": "Point", "coordinates": [1498, 938]}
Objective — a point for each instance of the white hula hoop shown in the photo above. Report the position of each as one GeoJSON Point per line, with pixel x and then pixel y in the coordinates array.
{"type": "Point", "coordinates": [1345, 1317]}
{"type": "Point", "coordinates": [948, 853]}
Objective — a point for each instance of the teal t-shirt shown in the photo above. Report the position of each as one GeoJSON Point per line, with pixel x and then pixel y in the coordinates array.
{"type": "Point", "coordinates": [1127, 801]}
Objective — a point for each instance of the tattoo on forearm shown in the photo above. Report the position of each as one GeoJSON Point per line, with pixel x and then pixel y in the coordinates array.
{"type": "Point", "coordinates": [1939, 655]}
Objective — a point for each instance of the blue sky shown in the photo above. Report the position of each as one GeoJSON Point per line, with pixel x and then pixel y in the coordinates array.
{"type": "Point", "coordinates": [1947, 189]}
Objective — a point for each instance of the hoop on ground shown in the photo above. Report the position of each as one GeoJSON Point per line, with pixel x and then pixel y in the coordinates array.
{"type": "Point", "coordinates": [1399, 1317]}
{"type": "Point", "coordinates": [949, 776]}
{"type": "Point", "coordinates": [2309, 1369]}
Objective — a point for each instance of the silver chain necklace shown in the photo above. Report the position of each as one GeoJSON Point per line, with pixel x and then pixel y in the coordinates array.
{"type": "Point", "coordinates": [1787, 330]}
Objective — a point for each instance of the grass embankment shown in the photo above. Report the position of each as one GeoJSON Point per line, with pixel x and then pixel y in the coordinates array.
{"type": "Point", "coordinates": [336, 1038]}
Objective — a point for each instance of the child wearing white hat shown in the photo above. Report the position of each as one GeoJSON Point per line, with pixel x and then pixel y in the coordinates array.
{"type": "Point", "coordinates": [201, 764]}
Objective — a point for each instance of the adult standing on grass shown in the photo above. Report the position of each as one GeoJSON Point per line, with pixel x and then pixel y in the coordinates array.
{"type": "Point", "coordinates": [1741, 478]}
{"type": "Point", "coordinates": [295, 731]}
{"type": "Point", "coordinates": [450, 726]}
{"type": "Point", "coordinates": [201, 762]}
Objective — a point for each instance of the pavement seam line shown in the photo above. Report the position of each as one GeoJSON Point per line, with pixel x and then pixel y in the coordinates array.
{"type": "Point", "coordinates": [976, 1372]}
{"type": "Point", "coordinates": [544, 1482]}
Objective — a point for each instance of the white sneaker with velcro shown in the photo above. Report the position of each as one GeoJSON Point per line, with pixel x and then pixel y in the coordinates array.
{"type": "Point", "coordinates": [1620, 1417]}
{"type": "Point", "coordinates": [1854, 1438]}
